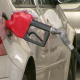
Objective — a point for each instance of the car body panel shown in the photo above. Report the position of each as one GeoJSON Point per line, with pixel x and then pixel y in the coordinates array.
{"type": "Point", "coordinates": [51, 60]}
{"type": "Point", "coordinates": [57, 60]}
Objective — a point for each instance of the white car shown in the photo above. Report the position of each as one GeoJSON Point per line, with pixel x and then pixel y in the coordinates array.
{"type": "Point", "coordinates": [23, 60]}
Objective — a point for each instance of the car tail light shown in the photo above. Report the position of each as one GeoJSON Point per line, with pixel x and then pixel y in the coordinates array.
{"type": "Point", "coordinates": [2, 49]}
{"type": "Point", "coordinates": [0, 40]}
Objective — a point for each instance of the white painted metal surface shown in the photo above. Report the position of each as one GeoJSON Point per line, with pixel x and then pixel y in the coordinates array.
{"type": "Point", "coordinates": [52, 61]}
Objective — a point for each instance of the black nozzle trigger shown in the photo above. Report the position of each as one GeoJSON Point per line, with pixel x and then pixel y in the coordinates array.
{"type": "Point", "coordinates": [42, 43]}
{"type": "Point", "coordinates": [42, 26]}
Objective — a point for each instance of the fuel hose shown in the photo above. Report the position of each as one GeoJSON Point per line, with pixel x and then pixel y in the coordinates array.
{"type": "Point", "coordinates": [74, 51]}
{"type": "Point", "coordinates": [76, 54]}
{"type": "Point", "coordinates": [66, 41]}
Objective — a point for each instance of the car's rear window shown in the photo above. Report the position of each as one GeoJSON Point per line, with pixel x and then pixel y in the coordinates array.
{"type": "Point", "coordinates": [23, 3]}
{"type": "Point", "coordinates": [31, 3]}
{"type": "Point", "coordinates": [45, 2]}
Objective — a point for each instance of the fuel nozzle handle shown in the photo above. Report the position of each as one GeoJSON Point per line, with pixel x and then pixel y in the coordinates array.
{"type": "Point", "coordinates": [40, 25]}
{"type": "Point", "coordinates": [20, 23]}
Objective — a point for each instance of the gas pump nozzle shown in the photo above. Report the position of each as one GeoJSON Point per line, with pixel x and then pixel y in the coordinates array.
{"type": "Point", "coordinates": [20, 23]}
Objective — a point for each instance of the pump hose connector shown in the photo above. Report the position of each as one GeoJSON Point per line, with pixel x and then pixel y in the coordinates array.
{"type": "Point", "coordinates": [66, 41]}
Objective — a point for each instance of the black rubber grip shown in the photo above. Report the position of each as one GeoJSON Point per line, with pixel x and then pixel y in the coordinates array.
{"type": "Point", "coordinates": [40, 25]}
{"type": "Point", "coordinates": [76, 54]}
{"type": "Point", "coordinates": [42, 43]}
